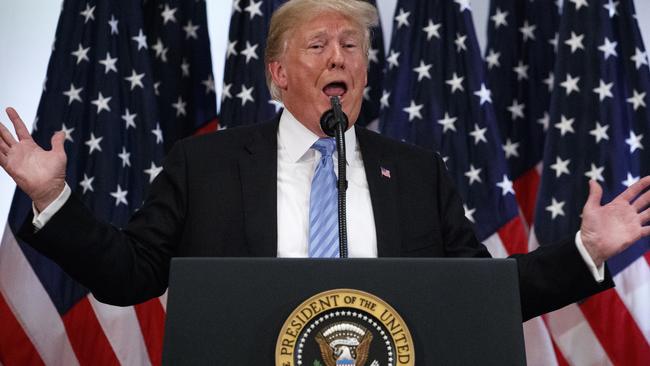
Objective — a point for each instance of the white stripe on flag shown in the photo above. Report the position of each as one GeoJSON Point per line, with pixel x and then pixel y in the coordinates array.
{"type": "Point", "coordinates": [495, 246]}
{"type": "Point", "coordinates": [122, 329]}
{"type": "Point", "coordinates": [575, 338]}
{"type": "Point", "coordinates": [633, 287]}
{"type": "Point", "coordinates": [163, 300]}
{"type": "Point", "coordinates": [539, 348]}
{"type": "Point", "coordinates": [532, 239]}
{"type": "Point", "coordinates": [32, 306]}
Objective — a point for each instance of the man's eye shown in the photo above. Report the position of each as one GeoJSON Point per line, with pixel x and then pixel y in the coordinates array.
{"type": "Point", "coordinates": [350, 45]}
{"type": "Point", "coordinates": [316, 46]}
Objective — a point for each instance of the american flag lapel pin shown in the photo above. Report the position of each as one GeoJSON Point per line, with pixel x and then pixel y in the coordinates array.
{"type": "Point", "coordinates": [385, 172]}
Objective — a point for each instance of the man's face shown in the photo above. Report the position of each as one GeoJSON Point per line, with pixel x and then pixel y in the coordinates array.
{"type": "Point", "coordinates": [324, 57]}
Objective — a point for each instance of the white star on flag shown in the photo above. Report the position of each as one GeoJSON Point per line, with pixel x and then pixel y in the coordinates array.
{"type": "Point", "coordinates": [493, 59]}
{"type": "Point", "coordinates": [478, 134]}
{"type": "Point", "coordinates": [141, 40]}
{"type": "Point", "coordinates": [81, 54]}
{"type": "Point", "coordinates": [600, 132]}
{"type": "Point", "coordinates": [634, 141]}
{"type": "Point", "coordinates": [253, 9]}
{"type": "Point", "coordinates": [190, 30]}
{"type": "Point", "coordinates": [432, 30]}
{"type": "Point", "coordinates": [93, 143]}
{"type": "Point", "coordinates": [484, 94]}
{"type": "Point", "coordinates": [129, 119]}
{"type": "Point", "coordinates": [73, 94]}
{"type": "Point", "coordinates": [102, 103]}
{"type": "Point", "coordinates": [423, 70]}
{"type": "Point", "coordinates": [120, 196]}
{"type": "Point", "coordinates": [250, 52]}
{"type": "Point", "coordinates": [402, 18]}
{"type": "Point", "coordinates": [608, 48]}
{"type": "Point", "coordinates": [168, 14]}
{"type": "Point", "coordinates": [575, 42]}
{"type": "Point", "coordinates": [555, 208]}
{"type": "Point", "coordinates": [456, 83]}
{"type": "Point", "coordinates": [246, 94]}
{"type": "Point", "coordinates": [158, 133]}
{"type": "Point", "coordinates": [109, 63]}
{"type": "Point", "coordinates": [499, 18]}
{"type": "Point", "coordinates": [561, 166]}
{"type": "Point", "coordinates": [87, 183]}
{"type": "Point", "coordinates": [448, 123]}
{"type": "Point", "coordinates": [570, 84]}
{"type": "Point", "coordinates": [153, 171]}
{"type": "Point", "coordinates": [414, 110]}
{"type": "Point", "coordinates": [506, 186]}
{"type": "Point", "coordinates": [135, 79]}
{"type": "Point", "coordinates": [473, 174]}
{"type": "Point", "coordinates": [565, 125]}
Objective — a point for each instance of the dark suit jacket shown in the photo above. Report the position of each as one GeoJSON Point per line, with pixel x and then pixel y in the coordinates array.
{"type": "Point", "coordinates": [217, 197]}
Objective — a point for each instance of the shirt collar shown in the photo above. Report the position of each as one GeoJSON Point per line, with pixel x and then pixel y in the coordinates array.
{"type": "Point", "coordinates": [295, 140]}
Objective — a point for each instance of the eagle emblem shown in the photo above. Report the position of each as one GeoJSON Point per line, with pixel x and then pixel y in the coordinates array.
{"type": "Point", "coordinates": [344, 344]}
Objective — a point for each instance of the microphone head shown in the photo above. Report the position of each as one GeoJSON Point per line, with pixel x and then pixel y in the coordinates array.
{"type": "Point", "coordinates": [331, 118]}
{"type": "Point", "coordinates": [328, 123]}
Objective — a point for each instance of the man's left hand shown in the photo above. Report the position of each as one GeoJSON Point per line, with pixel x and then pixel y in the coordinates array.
{"type": "Point", "coordinates": [608, 230]}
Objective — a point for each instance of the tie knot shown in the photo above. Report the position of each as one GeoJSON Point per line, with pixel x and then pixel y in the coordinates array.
{"type": "Point", "coordinates": [325, 146]}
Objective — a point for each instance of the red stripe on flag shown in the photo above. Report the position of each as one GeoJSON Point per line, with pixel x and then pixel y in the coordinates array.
{"type": "Point", "coordinates": [616, 330]}
{"type": "Point", "coordinates": [151, 317]}
{"type": "Point", "coordinates": [526, 192]}
{"type": "Point", "coordinates": [513, 236]}
{"type": "Point", "coordinates": [561, 361]}
{"type": "Point", "coordinates": [15, 347]}
{"type": "Point", "coordinates": [208, 127]}
{"type": "Point", "coordinates": [87, 337]}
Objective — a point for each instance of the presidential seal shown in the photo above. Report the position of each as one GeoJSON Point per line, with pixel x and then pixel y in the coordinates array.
{"type": "Point", "coordinates": [344, 327]}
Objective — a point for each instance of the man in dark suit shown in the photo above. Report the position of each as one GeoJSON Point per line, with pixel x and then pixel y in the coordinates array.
{"type": "Point", "coordinates": [245, 192]}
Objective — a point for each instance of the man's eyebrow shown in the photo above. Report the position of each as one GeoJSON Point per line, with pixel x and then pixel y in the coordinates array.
{"type": "Point", "coordinates": [345, 33]}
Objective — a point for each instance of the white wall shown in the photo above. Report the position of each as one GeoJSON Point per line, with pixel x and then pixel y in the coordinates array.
{"type": "Point", "coordinates": [27, 30]}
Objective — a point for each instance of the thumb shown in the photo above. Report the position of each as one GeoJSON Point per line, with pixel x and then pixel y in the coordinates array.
{"type": "Point", "coordinates": [595, 194]}
{"type": "Point", "coordinates": [57, 141]}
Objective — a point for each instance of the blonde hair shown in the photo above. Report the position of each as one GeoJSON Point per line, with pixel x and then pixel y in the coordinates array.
{"type": "Point", "coordinates": [293, 13]}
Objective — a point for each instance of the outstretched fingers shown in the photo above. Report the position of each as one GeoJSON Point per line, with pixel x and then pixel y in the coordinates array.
{"type": "Point", "coordinates": [635, 189]}
{"type": "Point", "coordinates": [21, 130]}
{"type": "Point", "coordinates": [6, 136]}
{"type": "Point", "coordinates": [642, 202]}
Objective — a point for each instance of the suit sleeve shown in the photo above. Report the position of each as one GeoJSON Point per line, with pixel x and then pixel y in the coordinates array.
{"type": "Point", "coordinates": [119, 266]}
{"type": "Point", "coordinates": [550, 277]}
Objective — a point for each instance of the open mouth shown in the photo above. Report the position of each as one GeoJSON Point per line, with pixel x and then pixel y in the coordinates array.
{"type": "Point", "coordinates": [335, 89]}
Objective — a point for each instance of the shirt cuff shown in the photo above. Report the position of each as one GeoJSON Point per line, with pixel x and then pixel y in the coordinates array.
{"type": "Point", "coordinates": [598, 273]}
{"type": "Point", "coordinates": [40, 219]}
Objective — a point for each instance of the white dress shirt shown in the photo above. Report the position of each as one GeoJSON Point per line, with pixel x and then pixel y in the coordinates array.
{"type": "Point", "coordinates": [296, 165]}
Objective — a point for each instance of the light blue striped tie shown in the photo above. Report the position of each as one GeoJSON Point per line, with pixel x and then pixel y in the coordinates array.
{"type": "Point", "coordinates": [323, 205]}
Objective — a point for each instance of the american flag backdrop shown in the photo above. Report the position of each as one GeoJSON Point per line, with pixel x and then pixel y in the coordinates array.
{"type": "Point", "coordinates": [598, 129]}
{"type": "Point", "coordinates": [144, 69]}
{"type": "Point", "coordinates": [436, 96]}
{"type": "Point", "coordinates": [125, 80]}
{"type": "Point", "coordinates": [520, 56]}
{"type": "Point", "coordinates": [245, 99]}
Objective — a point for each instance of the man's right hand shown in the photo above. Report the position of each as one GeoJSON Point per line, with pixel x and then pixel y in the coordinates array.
{"type": "Point", "coordinates": [39, 173]}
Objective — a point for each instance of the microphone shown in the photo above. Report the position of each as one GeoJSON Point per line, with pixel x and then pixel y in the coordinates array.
{"type": "Point", "coordinates": [333, 117]}
{"type": "Point", "coordinates": [334, 123]}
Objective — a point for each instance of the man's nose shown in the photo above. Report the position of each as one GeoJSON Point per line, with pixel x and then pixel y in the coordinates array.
{"type": "Point", "coordinates": [337, 59]}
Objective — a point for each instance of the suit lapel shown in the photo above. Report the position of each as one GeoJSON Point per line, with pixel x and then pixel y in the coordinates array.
{"type": "Point", "coordinates": [383, 192]}
{"type": "Point", "coordinates": [258, 171]}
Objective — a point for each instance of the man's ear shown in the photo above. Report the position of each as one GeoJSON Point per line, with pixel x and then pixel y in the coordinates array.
{"type": "Point", "coordinates": [278, 74]}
